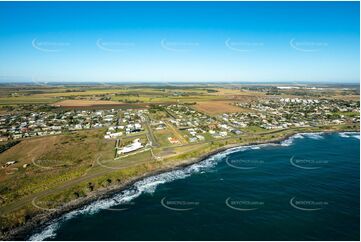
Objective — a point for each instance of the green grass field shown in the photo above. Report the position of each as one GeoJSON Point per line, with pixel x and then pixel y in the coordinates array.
{"type": "Point", "coordinates": [26, 100]}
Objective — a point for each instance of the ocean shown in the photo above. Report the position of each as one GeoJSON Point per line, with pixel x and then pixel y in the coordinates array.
{"type": "Point", "coordinates": [305, 188]}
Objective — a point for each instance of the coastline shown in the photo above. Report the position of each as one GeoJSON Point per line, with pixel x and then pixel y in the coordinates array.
{"type": "Point", "coordinates": [42, 220]}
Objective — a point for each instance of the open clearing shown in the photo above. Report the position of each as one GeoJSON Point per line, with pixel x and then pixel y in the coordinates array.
{"type": "Point", "coordinates": [51, 160]}
{"type": "Point", "coordinates": [84, 103]}
{"type": "Point", "coordinates": [217, 107]}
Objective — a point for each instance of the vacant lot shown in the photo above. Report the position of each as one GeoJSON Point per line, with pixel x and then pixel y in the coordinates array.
{"type": "Point", "coordinates": [51, 160]}
{"type": "Point", "coordinates": [217, 107]}
{"type": "Point", "coordinates": [84, 103]}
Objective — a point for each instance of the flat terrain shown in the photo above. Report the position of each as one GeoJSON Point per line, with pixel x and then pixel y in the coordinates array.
{"type": "Point", "coordinates": [50, 160]}
{"type": "Point", "coordinates": [217, 107]}
{"type": "Point", "coordinates": [25, 100]}
{"type": "Point", "coordinates": [78, 164]}
{"type": "Point", "coordinates": [84, 103]}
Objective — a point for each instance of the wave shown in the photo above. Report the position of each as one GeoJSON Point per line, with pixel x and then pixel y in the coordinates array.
{"type": "Point", "coordinates": [316, 136]}
{"type": "Point", "coordinates": [355, 135]}
{"type": "Point", "coordinates": [290, 140]}
{"type": "Point", "coordinates": [48, 232]}
{"type": "Point", "coordinates": [149, 184]}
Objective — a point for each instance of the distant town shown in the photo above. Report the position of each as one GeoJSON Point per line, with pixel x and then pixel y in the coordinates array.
{"type": "Point", "coordinates": [274, 113]}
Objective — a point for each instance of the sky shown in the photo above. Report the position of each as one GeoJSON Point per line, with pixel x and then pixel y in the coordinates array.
{"type": "Point", "coordinates": [180, 41]}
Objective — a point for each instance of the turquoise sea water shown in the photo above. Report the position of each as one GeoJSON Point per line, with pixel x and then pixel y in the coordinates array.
{"type": "Point", "coordinates": [306, 188]}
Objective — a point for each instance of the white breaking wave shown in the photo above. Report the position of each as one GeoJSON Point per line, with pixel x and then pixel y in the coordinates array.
{"type": "Point", "coordinates": [355, 135]}
{"type": "Point", "coordinates": [290, 140]}
{"type": "Point", "coordinates": [316, 136]}
{"type": "Point", "coordinates": [149, 184]}
{"type": "Point", "coordinates": [48, 232]}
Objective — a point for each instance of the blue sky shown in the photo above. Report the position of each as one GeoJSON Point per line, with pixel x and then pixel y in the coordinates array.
{"type": "Point", "coordinates": [180, 41]}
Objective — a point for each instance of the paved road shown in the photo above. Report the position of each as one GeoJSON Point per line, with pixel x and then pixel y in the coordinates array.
{"type": "Point", "coordinates": [150, 133]}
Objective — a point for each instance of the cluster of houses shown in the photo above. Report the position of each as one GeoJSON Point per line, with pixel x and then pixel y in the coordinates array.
{"type": "Point", "coordinates": [158, 124]}
{"type": "Point", "coordinates": [128, 122]}
{"type": "Point", "coordinates": [195, 134]}
{"type": "Point", "coordinates": [299, 100]}
{"type": "Point", "coordinates": [268, 113]}
{"type": "Point", "coordinates": [281, 113]}
{"type": "Point", "coordinates": [184, 116]}
{"type": "Point", "coordinates": [30, 124]}
{"type": "Point", "coordinates": [199, 126]}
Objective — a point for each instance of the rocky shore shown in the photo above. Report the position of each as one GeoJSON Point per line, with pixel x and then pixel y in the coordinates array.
{"type": "Point", "coordinates": [41, 220]}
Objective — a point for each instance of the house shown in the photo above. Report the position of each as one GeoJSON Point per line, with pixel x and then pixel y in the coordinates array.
{"type": "Point", "coordinates": [160, 127]}
{"type": "Point", "coordinates": [3, 138]}
{"type": "Point", "coordinates": [236, 131]}
{"type": "Point", "coordinates": [110, 135]}
{"type": "Point", "coordinates": [192, 139]}
{"type": "Point", "coordinates": [200, 137]}
{"type": "Point", "coordinates": [9, 163]}
{"type": "Point", "coordinates": [17, 136]}
{"type": "Point", "coordinates": [223, 133]}
{"type": "Point", "coordinates": [173, 140]}
{"type": "Point", "coordinates": [114, 135]}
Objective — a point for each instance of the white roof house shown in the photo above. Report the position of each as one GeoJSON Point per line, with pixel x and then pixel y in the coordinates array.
{"type": "Point", "coordinates": [136, 145]}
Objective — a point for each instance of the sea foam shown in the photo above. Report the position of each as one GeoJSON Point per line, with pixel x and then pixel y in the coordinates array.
{"type": "Point", "coordinates": [355, 135]}
{"type": "Point", "coordinates": [146, 185]}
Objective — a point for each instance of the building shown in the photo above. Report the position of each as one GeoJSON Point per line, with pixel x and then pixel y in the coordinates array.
{"type": "Point", "coordinates": [173, 140]}
{"type": "Point", "coordinates": [136, 145]}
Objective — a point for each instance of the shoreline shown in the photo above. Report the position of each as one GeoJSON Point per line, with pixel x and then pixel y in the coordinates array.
{"type": "Point", "coordinates": [42, 220]}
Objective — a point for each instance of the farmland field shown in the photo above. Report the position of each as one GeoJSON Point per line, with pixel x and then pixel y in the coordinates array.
{"type": "Point", "coordinates": [216, 107]}
{"type": "Point", "coordinates": [26, 100]}
{"type": "Point", "coordinates": [84, 103]}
